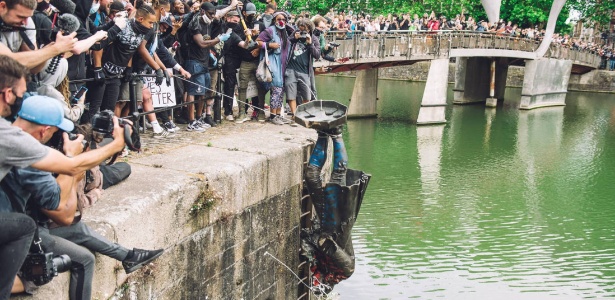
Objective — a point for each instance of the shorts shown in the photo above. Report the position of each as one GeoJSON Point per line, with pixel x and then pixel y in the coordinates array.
{"type": "Point", "coordinates": [200, 77]}
{"type": "Point", "coordinates": [297, 85]}
{"type": "Point", "coordinates": [125, 91]}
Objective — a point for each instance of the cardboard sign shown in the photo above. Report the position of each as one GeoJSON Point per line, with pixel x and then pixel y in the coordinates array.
{"type": "Point", "coordinates": [162, 95]}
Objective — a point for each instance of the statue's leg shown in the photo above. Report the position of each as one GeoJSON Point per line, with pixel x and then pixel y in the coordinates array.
{"type": "Point", "coordinates": [340, 160]}
{"type": "Point", "coordinates": [312, 174]}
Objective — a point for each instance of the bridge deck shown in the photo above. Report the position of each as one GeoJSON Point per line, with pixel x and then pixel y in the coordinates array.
{"type": "Point", "coordinates": [359, 51]}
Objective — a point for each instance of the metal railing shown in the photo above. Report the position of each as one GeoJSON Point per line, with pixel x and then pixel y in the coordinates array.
{"type": "Point", "coordinates": [362, 47]}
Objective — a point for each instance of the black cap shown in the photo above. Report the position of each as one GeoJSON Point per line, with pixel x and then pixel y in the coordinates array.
{"type": "Point", "coordinates": [206, 6]}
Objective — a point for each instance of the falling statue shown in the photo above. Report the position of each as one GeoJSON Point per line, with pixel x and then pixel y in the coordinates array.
{"type": "Point", "coordinates": [328, 245]}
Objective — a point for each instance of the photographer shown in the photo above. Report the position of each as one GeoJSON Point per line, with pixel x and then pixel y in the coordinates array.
{"type": "Point", "coordinates": [320, 30]}
{"type": "Point", "coordinates": [18, 38]}
{"type": "Point", "coordinates": [21, 150]}
{"type": "Point", "coordinates": [299, 81]}
{"type": "Point", "coordinates": [28, 188]}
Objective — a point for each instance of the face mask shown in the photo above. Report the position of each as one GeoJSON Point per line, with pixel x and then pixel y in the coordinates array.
{"type": "Point", "coordinates": [206, 19]}
{"type": "Point", "coordinates": [267, 19]}
{"type": "Point", "coordinates": [141, 29]}
{"type": "Point", "coordinates": [280, 25]}
{"type": "Point", "coordinates": [16, 107]}
{"type": "Point", "coordinates": [250, 19]}
{"type": "Point", "coordinates": [94, 8]}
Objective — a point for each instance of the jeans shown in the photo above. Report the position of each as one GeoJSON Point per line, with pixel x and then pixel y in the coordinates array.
{"type": "Point", "coordinates": [80, 234]}
{"type": "Point", "coordinates": [247, 73]}
{"type": "Point", "coordinates": [230, 81]}
{"type": "Point", "coordinates": [612, 64]}
{"type": "Point", "coordinates": [82, 267]}
{"type": "Point", "coordinates": [100, 96]}
{"type": "Point", "coordinates": [15, 240]}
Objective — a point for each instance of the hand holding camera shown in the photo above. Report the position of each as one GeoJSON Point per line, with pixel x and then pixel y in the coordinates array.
{"type": "Point", "coordinates": [73, 144]}
{"type": "Point", "coordinates": [64, 43]}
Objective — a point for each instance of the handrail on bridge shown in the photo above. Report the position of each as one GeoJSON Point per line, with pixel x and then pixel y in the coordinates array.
{"type": "Point", "coordinates": [378, 46]}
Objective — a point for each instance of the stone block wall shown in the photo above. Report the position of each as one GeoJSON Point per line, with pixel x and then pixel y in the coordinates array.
{"type": "Point", "coordinates": [216, 253]}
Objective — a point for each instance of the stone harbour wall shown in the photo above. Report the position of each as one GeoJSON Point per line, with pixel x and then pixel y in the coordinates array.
{"type": "Point", "coordinates": [594, 81]}
{"type": "Point", "coordinates": [218, 252]}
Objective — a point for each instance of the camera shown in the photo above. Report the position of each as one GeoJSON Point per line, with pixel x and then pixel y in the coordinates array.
{"type": "Point", "coordinates": [333, 45]}
{"type": "Point", "coordinates": [40, 267]}
{"type": "Point", "coordinates": [303, 36]}
{"type": "Point", "coordinates": [102, 122]}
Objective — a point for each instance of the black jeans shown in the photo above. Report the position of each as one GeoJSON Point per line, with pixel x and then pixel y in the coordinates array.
{"type": "Point", "coordinates": [230, 81]}
{"type": "Point", "coordinates": [100, 96]}
{"type": "Point", "coordinates": [15, 240]}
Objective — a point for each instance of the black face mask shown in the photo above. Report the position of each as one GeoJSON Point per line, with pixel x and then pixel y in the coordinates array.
{"type": "Point", "coordinates": [140, 29]}
{"type": "Point", "coordinates": [317, 32]}
{"type": "Point", "coordinates": [15, 107]}
{"type": "Point", "coordinates": [233, 26]}
{"type": "Point", "coordinates": [250, 19]}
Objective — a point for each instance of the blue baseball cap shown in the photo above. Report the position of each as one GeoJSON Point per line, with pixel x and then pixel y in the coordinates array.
{"type": "Point", "coordinates": [45, 110]}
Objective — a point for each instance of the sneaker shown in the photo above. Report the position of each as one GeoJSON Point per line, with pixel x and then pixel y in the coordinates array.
{"type": "Point", "coordinates": [140, 258]}
{"type": "Point", "coordinates": [254, 116]}
{"type": "Point", "coordinates": [194, 126]}
{"type": "Point", "coordinates": [210, 121]}
{"type": "Point", "coordinates": [125, 152]}
{"type": "Point", "coordinates": [285, 120]}
{"type": "Point", "coordinates": [242, 118]}
{"type": "Point", "coordinates": [261, 116]}
{"type": "Point", "coordinates": [276, 120]}
{"type": "Point", "coordinates": [293, 124]}
{"type": "Point", "coordinates": [169, 126]}
{"type": "Point", "coordinates": [174, 126]}
{"type": "Point", "coordinates": [203, 125]}
{"type": "Point", "coordinates": [148, 125]}
{"type": "Point", "coordinates": [162, 134]}
{"type": "Point", "coordinates": [229, 118]}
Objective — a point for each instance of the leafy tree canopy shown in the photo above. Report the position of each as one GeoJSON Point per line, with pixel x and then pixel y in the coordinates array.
{"type": "Point", "coordinates": [525, 13]}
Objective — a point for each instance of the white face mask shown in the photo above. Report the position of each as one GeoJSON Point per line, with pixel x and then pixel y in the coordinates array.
{"type": "Point", "coordinates": [206, 19]}
{"type": "Point", "coordinates": [95, 7]}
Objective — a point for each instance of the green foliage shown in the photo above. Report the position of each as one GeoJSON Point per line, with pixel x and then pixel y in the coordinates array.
{"type": "Point", "coordinates": [594, 12]}
{"type": "Point", "coordinates": [525, 13]}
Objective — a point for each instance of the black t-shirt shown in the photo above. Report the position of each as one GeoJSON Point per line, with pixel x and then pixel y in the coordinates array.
{"type": "Point", "coordinates": [138, 63]}
{"type": "Point", "coordinates": [119, 52]}
{"type": "Point", "coordinates": [195, 52]}
{"type": "Point", "coordinates": [299, 58]}
{"type": "Point", "coordinates": [404, 25]}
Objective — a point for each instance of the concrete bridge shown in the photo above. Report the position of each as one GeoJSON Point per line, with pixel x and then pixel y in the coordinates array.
{"type": "Point", "coordinates": [482, 61]}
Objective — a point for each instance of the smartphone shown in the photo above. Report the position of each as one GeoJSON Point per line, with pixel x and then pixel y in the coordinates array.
{"type": "Point", "coordinates": [79, 94]}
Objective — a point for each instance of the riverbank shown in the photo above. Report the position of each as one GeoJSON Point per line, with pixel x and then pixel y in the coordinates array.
{"type": "Point", "coordinates": [217, 202]}
{"type": "Point", "coordinates": [599, 81]}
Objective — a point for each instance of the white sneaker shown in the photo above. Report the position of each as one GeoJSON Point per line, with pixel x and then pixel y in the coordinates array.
{"type": "Point", "coordinates": [229, 118]}
{"type": "Point", "coordinates": [162, 134]}
{"type": "Point", "coordinates": [194, 126]}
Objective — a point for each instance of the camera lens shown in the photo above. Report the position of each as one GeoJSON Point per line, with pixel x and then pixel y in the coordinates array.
{"type": "Point", "coordinates": [62, 263]}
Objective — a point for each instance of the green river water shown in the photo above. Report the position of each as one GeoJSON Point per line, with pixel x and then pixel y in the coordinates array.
{"type": "Point", "coordinates": [496, 204]}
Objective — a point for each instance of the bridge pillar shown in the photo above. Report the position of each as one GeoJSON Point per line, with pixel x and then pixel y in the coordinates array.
{"type": "Point", "coordinates": [364, 95]}
{"type": "Point", "coordinates": [433, 104]}
{"type": "Point", "coordinates": [545, 83]}
{"type": "Point", "coordinates": [473, 79]}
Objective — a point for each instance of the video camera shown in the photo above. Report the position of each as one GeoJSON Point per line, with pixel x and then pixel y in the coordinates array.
{"type": "Point", "coordinates": [40, 267]}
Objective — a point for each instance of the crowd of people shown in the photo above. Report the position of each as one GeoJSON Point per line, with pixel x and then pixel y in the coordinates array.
{"type": "Point", "coordinates": [63, 63]}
